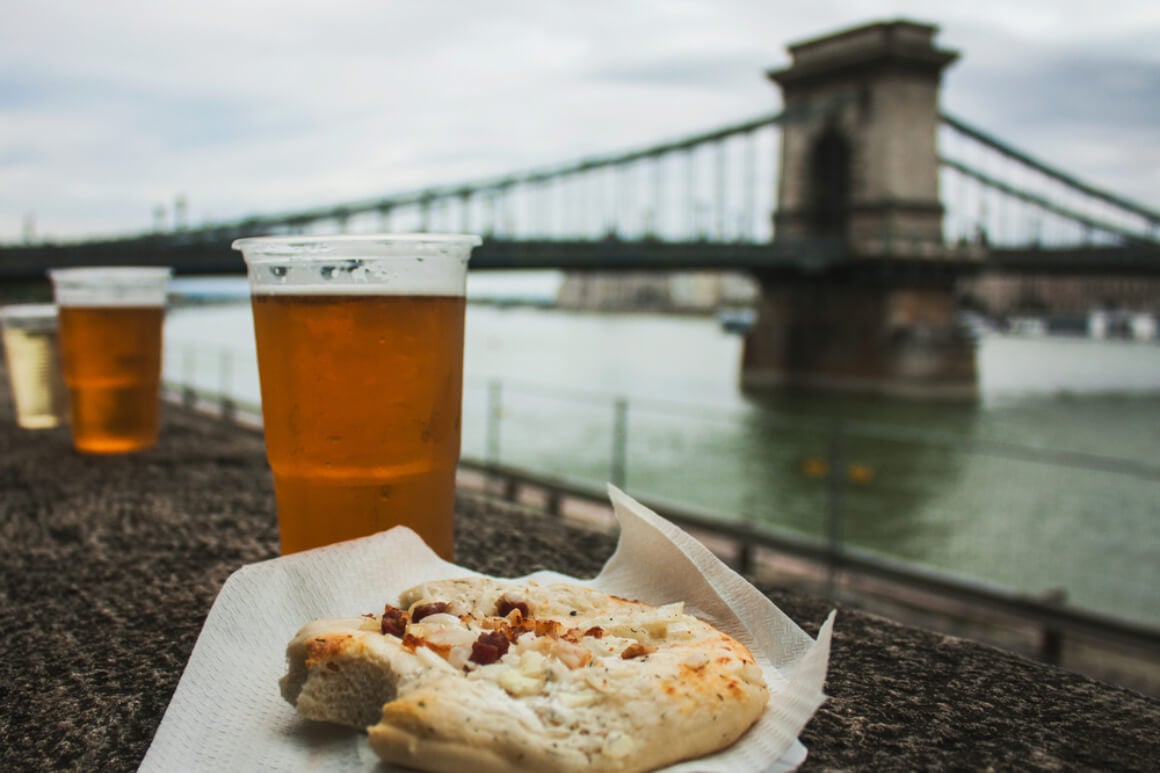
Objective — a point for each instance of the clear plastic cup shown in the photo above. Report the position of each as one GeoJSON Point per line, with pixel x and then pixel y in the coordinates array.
{"type": "Point", "coordinates": [111, 322]}
{"type": "Point", "coordinates": [360, 358]}
{"type": "Point", "coordinates": [30, 350]}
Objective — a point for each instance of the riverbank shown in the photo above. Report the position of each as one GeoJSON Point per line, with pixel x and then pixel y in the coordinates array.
{"type": "Point", "coordinates": [109, 565]}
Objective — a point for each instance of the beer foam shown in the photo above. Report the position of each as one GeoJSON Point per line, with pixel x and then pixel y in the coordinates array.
{"type": "Point", "coordinates": [33, 317]}
{"type": "Point", "coordinates": [308, 283]}
{"type": "Point", "coordinates": [110, 286]}
{"type": "Point", "coordinates": [374, 264]}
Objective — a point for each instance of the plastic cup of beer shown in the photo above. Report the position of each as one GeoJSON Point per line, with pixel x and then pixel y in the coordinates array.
{"type": "Point", "coordinates": [111, 322]}
{"type": "Point", "coordinates": [360, 359]}
{"type": "Point", "coordinates": [30, 350]}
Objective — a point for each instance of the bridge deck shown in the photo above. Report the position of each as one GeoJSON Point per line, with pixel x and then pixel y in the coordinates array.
{"type": "Point", "coordinates": [203, 254]}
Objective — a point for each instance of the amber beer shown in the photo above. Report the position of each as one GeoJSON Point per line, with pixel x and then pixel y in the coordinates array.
{"type": "Point", "coordinates": [360, 357]}
{"type": "Point", "coordinates": [362, 433]}
{"type": "Point", "coordinates": [111, 359]}
{"type": "Point", "coordinates": [111, 324]}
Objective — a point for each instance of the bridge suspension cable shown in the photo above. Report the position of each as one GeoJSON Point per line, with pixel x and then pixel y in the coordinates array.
{"type": "Point", "coordinates": [996, 193]}
{"type": "Point", "coordinates": [610, 191]}
{"type": "Point", "coordinates": [707, 186]}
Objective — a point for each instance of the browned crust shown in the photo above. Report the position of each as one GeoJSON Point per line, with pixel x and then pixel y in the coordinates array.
{"type": "Point", "coordinates": [697, 703]}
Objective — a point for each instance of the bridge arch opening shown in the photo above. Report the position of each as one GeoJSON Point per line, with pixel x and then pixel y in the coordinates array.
{"type": "Point", "coordinates": [829, 184]}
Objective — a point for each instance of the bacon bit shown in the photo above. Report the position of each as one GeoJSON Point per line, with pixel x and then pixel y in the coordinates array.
{"type": "Point", "coordinates": [423, 610]}
{"type": "Point", "coordinates": [394, 622]}
{"type": "Point", "coordinates": [514, 627]}
{"type": "Point", "coordinates": [636, 650]}
{"type": "Point", "coordinates": [506, 606]}
{"type": "Point", "coordinates": [489, 647]}
{"type": "Point", "coordinates": [499, 627]}
{"type": "Point", "coordinates": [411, 642]}
{"type": "Point", "coordinates": [574, 635]}
{"type": "Point", "coordinates": [550, 628]}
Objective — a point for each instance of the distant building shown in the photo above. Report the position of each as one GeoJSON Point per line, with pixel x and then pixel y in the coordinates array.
{"type": "Point", "coordinates": [684, 292]}
{"type": "Point", "coordinates": [994, 295]}
{"type": "Point", "coordinates": [1003, 296]}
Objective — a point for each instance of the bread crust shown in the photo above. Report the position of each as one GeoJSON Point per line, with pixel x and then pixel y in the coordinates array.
{"type": "Point", "coordinates": [591, 682]}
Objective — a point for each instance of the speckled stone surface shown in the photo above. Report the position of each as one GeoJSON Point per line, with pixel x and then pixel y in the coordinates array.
{"type": "Point", "coordinates": [109, 565]}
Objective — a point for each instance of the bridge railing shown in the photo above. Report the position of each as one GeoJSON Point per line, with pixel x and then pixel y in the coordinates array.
{"type": "Point", "coordinates": [948, 514]}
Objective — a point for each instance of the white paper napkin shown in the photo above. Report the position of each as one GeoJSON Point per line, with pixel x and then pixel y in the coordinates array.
{"type": "Point", "coordinates": [228, 714]}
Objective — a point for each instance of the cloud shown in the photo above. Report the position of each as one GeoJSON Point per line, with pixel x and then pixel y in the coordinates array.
{"type": "Point", "coordinates": [1092, 112]}
{"type": "Point", "coordinates": [108, 110]}
{"type": "Point", "coordinates": [1084, 91]}
{"type": "Point", "coordinates": [682, 72]}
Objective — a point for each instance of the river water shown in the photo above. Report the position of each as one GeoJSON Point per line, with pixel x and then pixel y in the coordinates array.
{"type": "Point", "coordinates": [1049, 481]}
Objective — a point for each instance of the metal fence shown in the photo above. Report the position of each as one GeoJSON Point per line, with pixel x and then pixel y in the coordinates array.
{"type": "Point", "coordinates": [1038, 521]}
{"type": "Point", "coordinates": [1018, 527]}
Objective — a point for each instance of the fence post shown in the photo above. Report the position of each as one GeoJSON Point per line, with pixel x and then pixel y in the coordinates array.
{"type": "Point", "coordinates": [225, 399]}
{"type": "Point", "coordinates": [619, 472]}
{"type": "Point", "coordinates": [494, 414]}
{"type": "Point", "coordinates": [188, 391]}
{"type": "Point", "coordinates": [837, 503]}
{"type": "Point", "coordinates": [744, 557]}
{"type": "Point", "coordinates": [552, 503]}
{"type": "Point", "coordinates": [1051, 643]}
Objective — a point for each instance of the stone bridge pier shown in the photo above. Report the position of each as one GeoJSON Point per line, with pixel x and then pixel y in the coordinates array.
{"type": "Point", "coordinates": [859, 164]}
{"type": "Point", "coordinates": [850, 332]}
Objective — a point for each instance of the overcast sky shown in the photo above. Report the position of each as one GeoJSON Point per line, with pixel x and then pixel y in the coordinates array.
{"type": "Point", "coordinates": [110, 108]}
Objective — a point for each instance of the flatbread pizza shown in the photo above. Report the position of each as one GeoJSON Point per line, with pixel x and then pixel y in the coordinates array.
{"type": "Point", "coordinates": [493, 675]}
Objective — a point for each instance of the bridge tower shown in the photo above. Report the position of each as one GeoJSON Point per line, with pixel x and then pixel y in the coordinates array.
{"type": "Point", "coordinates": [859, 165]}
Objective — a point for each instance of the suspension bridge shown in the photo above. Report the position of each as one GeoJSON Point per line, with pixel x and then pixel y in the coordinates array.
{"type": "Point", "coordinates": [699, 202]}
{"type": "Point", "coordinates": [857, 207]}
